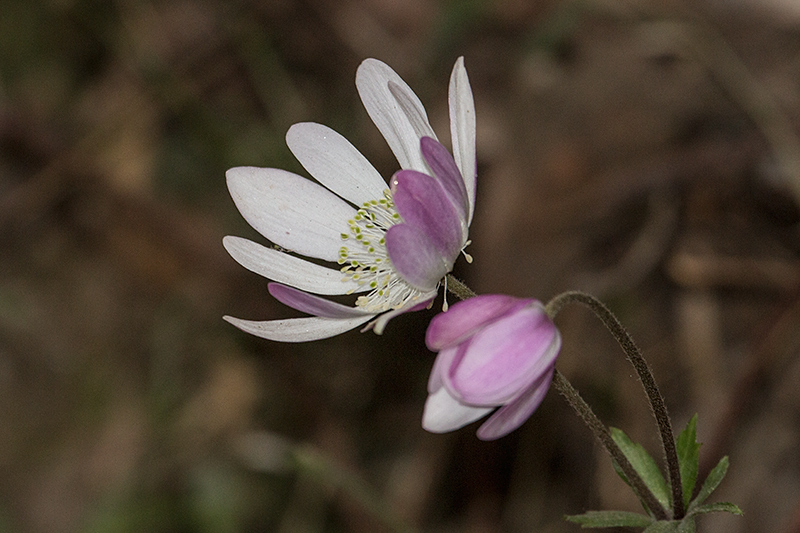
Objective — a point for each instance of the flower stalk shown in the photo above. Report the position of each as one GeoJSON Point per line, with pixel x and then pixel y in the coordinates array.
{"type": "Point", "coordinates": [657, 404]}
{"type": "Point", "coordinates": [602, 434]}
{"type": "Point", "coordinates": [458, 288]}
{"type": "Point", "coordinates": [584, 411]}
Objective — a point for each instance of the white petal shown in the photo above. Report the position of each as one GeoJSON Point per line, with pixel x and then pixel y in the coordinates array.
{"type": "Point", "coordinates": [288, 269]}
{"type": "Point", "coordinates": [462, 129]}
{"type": "Point", "coordinates": [298, 329]}
{"type": "Point", "coordinates": [443, 413]}
{"type": "Point", "coordinates": [395, 110]}
{"type": "Point", "coordinates": [291, 211]}
{"type": "Point", "coordinates": [335, 163]}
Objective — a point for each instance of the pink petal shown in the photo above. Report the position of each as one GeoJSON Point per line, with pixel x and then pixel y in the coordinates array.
{"type": "Point", "coordinates": [440, 365]}
{"type": "Point", "coordinates": [514, 414]}
{"type": "Point", "coordinates": [415, 257]}
{"type": "Point", "coordinates": [423, 203]}
{"type": "Point", "coordinates": [465, 318]}
{"type": "Point", "coordinates": [504, 358]}
{"type": "Point", "coordinates": [313, 305]}
{"type": "Point", "coordinates": [446, 172]}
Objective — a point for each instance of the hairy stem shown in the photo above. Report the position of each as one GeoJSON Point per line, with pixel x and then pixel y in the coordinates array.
{"type": "Point", "coordinates": [657, 404]}
{"type": "Point", "coordinates": [604, 436]}
{"type": "Point", "coordinates": [458, 288]}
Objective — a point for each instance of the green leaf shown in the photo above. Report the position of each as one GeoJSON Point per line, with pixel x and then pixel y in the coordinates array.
{"type": "Point", "coordinates": [687, 525]}
{"type": "Point", "coordinates": [712, 481]}
{"type": "Point", "coordinates": [719, 507]}
{"type": "Point", "coordinates": [624, 478]}
{"type": "Point", "coordinates": [610, 519]}
{"type": "Point", "coordinates": [644, 465]}
{"type": "Point", "coordinates": [688, 458]}
{"type": "Point", "coordinates": [663, 526]}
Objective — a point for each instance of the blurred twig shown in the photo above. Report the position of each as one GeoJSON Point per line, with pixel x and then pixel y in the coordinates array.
{"type": "Point", "coordinates": [41, 189]}
{"type": "Point", "coordinates": [271, 453]}
{"type": "Point", "coordinates": [708, 46]}
{"type": "Point", "coordinates": [644, 254]}
{"type": "Point", "coordinates": [794, 521]}
{"type": "Point", "coordinates": [780, 341]}
{"type": "Point", "coordinates": [311, 461]}
{"type": "Point", "coordinates": [706, 270]}
{"type": "Point", "coordinates": [365, 34]}
{"type": "Point", "coordinates": [662, 173]}
{"type": "Point", "coordinates": [713, 51]}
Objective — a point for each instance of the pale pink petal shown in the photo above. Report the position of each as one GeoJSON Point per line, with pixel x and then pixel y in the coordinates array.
{"type": "Point", "coordinates": [335, 163]}
{"type": "Point", "coordinates": [291, 211]}
{"type": "Point", "coordinates": [440, 365]}
{"type": "Point", "coordinates": [421, 302]}
{"type": "Point", "coordinates": [297, 329]}
{"type": "Point", "coordinates": [415, 257]}
{"type": "Point", "coordinates": [446, 172]}
{"type": "Point", "coordinates": [287, 269]}
{"type": "Point", "coordinates": [395, 110]}
{"type": "Point", "coordinates": [462, 129]}
{"type": "Point", "coordinates": [423, 203]}
{"type": "Point", "coordinates": [504, 358]}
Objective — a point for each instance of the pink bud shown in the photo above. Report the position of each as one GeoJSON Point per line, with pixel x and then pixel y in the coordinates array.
{"type": "Point", "coordinates": [495, 351]}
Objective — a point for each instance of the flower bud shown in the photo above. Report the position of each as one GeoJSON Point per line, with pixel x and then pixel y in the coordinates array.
{"type": "Point", "coordinates": [495, 353]}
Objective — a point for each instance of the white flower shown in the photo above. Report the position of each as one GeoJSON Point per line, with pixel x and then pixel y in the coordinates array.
{"type": "Point", "coordinates": [394, 247]}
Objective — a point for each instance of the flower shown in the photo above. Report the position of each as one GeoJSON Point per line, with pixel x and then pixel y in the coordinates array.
{"type": "Point", "coordinates": [399, 242]}
{"type": "Point", "coordinates": [494, 351]}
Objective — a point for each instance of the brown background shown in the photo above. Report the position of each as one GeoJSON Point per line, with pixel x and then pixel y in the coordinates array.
{"type": "Point", "coordinates": [643, 151]}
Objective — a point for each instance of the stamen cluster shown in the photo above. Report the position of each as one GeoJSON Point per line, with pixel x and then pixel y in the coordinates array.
{"type": "Point", "coordinates": [366, 260]}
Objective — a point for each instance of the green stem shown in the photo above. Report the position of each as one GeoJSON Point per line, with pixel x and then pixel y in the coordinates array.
{"type": "Point", "coordinates": [635, 357]}
{"type": "Point", "coordinates": [583, 410]}
{"type": "Point", "coordinates": [461, 291]}
{"type": "Point", "coordinates": [604, 436]}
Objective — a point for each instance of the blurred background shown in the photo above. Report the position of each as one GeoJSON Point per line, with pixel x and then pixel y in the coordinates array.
{"type": "Point", "coordinates": [643, 151]}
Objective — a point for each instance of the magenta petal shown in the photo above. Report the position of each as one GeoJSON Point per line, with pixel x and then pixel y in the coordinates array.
{"type": "Point", "coordinates": [504, 358]}
{"type": "Point", "coordinates": [464, 318]}
{"type": "Point", "coordinates": [423, 203]}
{"type": "Point", "coordinates": [414, 257]}
{"type": "Point", "coordinates": [514, 414]}
{"type": "Point", "coordinates": [312, 304]}
{"type": "Point", "coordinates": [445, 170]}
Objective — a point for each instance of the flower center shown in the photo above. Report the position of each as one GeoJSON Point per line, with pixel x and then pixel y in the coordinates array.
{"type": "Point", "coordinates": [366, 260]}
